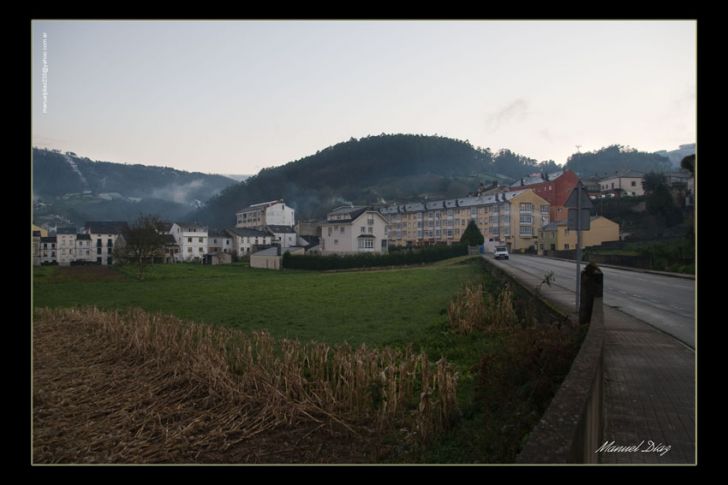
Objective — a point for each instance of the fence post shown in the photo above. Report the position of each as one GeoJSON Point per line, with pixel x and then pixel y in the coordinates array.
{"type": "Point", "coordinates": [592, 286]}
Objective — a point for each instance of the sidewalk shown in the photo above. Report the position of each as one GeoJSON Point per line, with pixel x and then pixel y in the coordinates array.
{"type": "Point", "coordinates": [649, 385]}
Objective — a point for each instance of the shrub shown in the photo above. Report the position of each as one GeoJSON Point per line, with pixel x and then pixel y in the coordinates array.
{"type": "Point", "coordinates": [367, 260]}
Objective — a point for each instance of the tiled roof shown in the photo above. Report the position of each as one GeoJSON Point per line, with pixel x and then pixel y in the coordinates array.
{"type": "Point", "coordinates": [281, 229]}
{"type": "Point", "coordinates": [83, 237]}
{"type": "Point", "coordinates": [246, 232]}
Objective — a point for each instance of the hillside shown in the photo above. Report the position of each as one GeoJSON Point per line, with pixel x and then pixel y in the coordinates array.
{"type": "Point", "coordinates": [372, 170]}
{"type": "Point", "coordinates": [72, 189]}
{"type": "Point", "coordinates": [614, 158]}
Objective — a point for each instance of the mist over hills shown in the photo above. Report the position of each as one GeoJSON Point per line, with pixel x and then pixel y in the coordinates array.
{"type": "Point", "coordinates": [71, 189]}
{"type": "Point", "coordinates": [380, 169]}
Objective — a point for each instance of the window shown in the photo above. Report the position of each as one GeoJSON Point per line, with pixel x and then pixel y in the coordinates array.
{"type": "Point", "coordinates": [189, 239]}
{"type": "Point", "coordinates": [449, 233]}
{"type": "Point", "coordinates": [473, 212]}
{"type": "Point", "coordinates": [371, 230]}
{"type": "Point", "coordinates": [526, 219]}
{"type": "Point", "coordinates": [109, 243]}
{"type": "Point", "coordinates": [200, 249]}
{"type": "Point", "coordinates": [336, 241]}
{"type": "Point", "coordinates": [45, 245]}
{"type": "Point", "coordinates": [370, 219]}
{"type": "Point", "coordinates": [98, 243]}
{"type": "Point", "coordinates": [109, 260]}
{"type": "Point", "coordinates": [98, 250]}
{"type": "Point", "coordinates": [544, 209]}
{"type": "Point", "coordinates": [525, 231]}
{"type": "Point", "coordinates": [634, 184]}
{"type": "Point", "coordinates": [526, 207]}
{"type": "Point", "coordinates": [366, 243]}
{"type": "Point", "coordinates": [189, 250]}
{"type": "Point", "coordinates": [98, 260]}
{"type": "Point", "coordinates": [341, 229]}
{"type": "Point", "coordinates": [363, 229]}
{"type": "Point", "coordinates": [200, 239]}
{"type": "Point", "coordinates": [329, 232]}
{"type": "Point", "coordinates": [566, 246]}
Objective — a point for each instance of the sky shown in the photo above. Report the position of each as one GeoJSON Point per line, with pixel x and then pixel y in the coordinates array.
{"type": "Point", "coordinates": [237, 96]}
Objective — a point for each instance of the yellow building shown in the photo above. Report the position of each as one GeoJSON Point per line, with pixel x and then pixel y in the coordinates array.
{"type": "Point", "coordinates": [43, 232]}
{"type": "Point", "coordinates": [558, 237]}
{"type": "Point", "coordinates": [514, 218]}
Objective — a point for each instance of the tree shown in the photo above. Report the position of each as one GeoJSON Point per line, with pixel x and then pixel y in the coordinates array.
{"type": "Point", "coordinates": [472, 235]}
{"type": "Point", "coordinates": [651, 181]}
{"type": "Point", "coordinates": [688, 163]}
{"type": "Point", "coordinates": [142, 242]}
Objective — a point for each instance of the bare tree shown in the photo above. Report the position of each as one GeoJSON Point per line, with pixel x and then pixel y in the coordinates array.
{"type": "Point", "coordinates": [142, 242]}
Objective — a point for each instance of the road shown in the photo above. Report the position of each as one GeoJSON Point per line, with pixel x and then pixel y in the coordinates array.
{"type": "Point", "coordinates": [664, 302]}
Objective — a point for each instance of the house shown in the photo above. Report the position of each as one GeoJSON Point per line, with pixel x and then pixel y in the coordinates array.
{"type": "Point", "coordinates": [48, 250]}
{"type": "Point", "coordinates": [554, 188]}
{"type": "Point", "coordinates": [66, 245]}
{"type": "Point", "coordinates": [283, 236]}
{"type": "Point", "coordinates": [273, 213]}
{"type": "Point", "coordinates": [84, 252]}
{"type": "Point", "coordinates": [37, 229]}
{"type": "Point", "coordinates": [351, 230]}
{"type": "Point", "coordinates": [191, 239]}
{"type": "Point", "coordinates": [310, 244]}
{"type": "Point", "coordinates": [627, 182]}
{"type": "Point", "coordinates": [512, 218]}
{"type": "Point", "coordinates": [246, 241]}
{"type": "Point", "coordinates": [219, 242]}
{"type": "Point", "coordinates": [170, 252]}
{"type": "Point", "coordinates": [557, 237]}
{"type": "Point", "coordinates": [103, 235]}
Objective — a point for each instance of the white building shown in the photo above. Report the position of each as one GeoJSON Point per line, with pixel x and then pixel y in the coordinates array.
{"type": "Point", "coordinates": [83, 250]}
{"type": "Point", "coordinates": [351, 230]}
{"type": "Point", "coordinates": [191, 239]}
{"type": "Point", "coordinates": [273, 213]}
{"type": "Point", "coordinates": [48, 249]}
{"type": "Point", "coordinates": [247, 241]}
{"type": "Point", "coordinates": [283, 236]}
{"type": "Point", "coordinates": [629, 181]}
{"type": "Point", "coordinates": [66, 245]}
{"type": "Point", "coordinates": [219, 242]}
{"type": "Point", "coordinates": [103, 236]}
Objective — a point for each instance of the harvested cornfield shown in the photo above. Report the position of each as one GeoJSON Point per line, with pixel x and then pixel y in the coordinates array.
{"type": "Point", "coordinates": [134, 387]}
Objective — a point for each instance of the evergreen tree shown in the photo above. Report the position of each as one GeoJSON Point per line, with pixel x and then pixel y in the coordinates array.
{"type": "Point", "coordinates": [472, 235]}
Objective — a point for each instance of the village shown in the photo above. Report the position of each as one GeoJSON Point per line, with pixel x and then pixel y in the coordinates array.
{"type": "Point", "coordinates": [528, 217]}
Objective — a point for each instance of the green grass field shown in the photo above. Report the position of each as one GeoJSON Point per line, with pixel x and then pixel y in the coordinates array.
{"type": "Point", "coordinates": [373, 307]}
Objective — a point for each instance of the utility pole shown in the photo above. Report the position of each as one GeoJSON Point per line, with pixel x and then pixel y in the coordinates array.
{"type": "Point", "coordinates": [578, 245]}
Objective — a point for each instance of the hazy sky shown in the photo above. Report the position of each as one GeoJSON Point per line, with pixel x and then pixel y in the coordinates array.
{"type": "Point", "coordinates": [234, 97]}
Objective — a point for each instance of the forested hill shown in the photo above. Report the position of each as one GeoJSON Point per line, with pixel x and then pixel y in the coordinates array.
{"type": "Point", "coordinates": [614, 158]}
{"type": "Point", "coordinates": [68, 189]}
{"type": "Point", "coordinates": [56, 173]}
{"type": "Point", "coordinates": [372, 170]}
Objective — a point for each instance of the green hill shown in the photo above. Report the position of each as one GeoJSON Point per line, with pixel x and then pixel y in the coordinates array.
{"type": "Point", "coordinates": [73, 189]}
{"type": "Point", "coordinates": [371, 170]}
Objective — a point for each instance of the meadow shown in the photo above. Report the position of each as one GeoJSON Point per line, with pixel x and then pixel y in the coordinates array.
{"type": "Point", "coordinates": [374, 307]}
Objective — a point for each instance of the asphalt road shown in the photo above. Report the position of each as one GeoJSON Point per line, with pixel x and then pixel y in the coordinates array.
{"type": "Point", "coordinates": [664, 302]}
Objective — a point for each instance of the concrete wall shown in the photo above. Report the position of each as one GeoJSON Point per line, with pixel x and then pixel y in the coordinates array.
{"type": "Point", "coordinates": [265, 262]}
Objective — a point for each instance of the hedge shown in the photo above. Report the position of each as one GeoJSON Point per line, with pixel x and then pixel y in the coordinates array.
{"type": "Point", "coordinates": [396, 258]}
